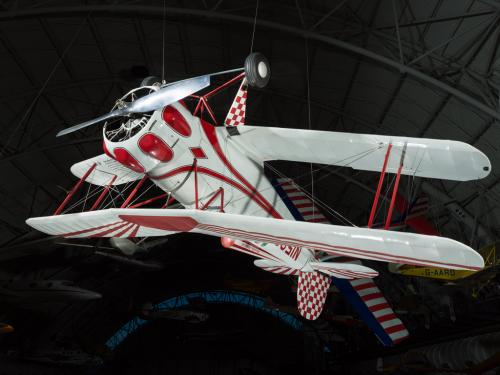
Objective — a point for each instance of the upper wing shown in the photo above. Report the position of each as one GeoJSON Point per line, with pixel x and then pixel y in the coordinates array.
{"type": "Point", "coordinates": [106, 168]}
{"type": "Point", "coordinates": [450, 160]}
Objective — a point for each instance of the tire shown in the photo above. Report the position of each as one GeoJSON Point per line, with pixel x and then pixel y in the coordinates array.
{"type": "Point", "coordinates": [257, 70]}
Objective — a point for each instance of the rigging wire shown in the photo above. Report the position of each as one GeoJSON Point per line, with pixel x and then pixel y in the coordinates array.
{"type": "Point", "coordinates": [44, 86]}
{"type": "Point", "coordinates": [254, 24]}
{"type": "Point", "coordinates": [163, 43]}
{"type": "Point", "coordinates": [309, 121]}
{"type": "Point", "coordinates": [322, 204]}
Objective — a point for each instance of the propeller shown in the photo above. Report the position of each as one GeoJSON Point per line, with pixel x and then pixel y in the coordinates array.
{"type": "Point", "coordinates": [164, 96]}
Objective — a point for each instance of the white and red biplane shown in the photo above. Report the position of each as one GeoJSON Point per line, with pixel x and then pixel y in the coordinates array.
{"type": "Point", "coordinates": [217, 174]}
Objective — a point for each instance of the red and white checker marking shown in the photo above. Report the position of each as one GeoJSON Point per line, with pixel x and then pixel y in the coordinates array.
{"type": "Point", "coordinates": [236, 114]}
{"type": "Point", "coordinates": [379, 307]}
{"type": "Point", "coordinates": [311, 294]}
{"type": "Point", "coordinates": [302, 202]}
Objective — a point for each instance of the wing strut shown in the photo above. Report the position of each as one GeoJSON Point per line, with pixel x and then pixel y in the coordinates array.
{"type": "Point", "coordinates": [379, 187]}
{"type": "Point", "coordinates": [395, 190]}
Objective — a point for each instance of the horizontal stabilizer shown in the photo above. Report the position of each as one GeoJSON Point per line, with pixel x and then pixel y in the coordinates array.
{"type": "Point", "coordinates": [354, 242]}
{"type": "Point", "coordinates": [275, 267]}
{"type": "Point", "coordinates": [104, 172]}
{"type": "Point", "coordinates": [344, 270]}
{"type": "Point", "coordinates": [433, 158]}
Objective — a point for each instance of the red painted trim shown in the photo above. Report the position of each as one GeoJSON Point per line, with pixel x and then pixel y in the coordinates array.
{"type": "Point", "coordinates": [369, 297]}
{"type": "Point", "coordinates": [396, 328]}
{"type": "Point", "coordinates": [158, 146]}
{"type": "Point", "coordinates": [111, 230]}
{"type": "Point", "coordinates": [89, 229]}
{"type": "Point", "coordinates": [127, 228]}
{"type": "Point", "coordinates": [176, 121]}
{"type": "Point", "coordinates": [125, 158]}
{"type": "Point", "coordinates": [134, 232]}
{"type": "Point", "coordinates": [198, 152]}
{"type": "Point", "coordinates": [168, 223]}
{"type": "Point", "coordinates": [380, 306]}
{"type": "Point", "coordinates": [385, 318]}
{"type": "Point", "coordinates": [214, 174]}
{"type": "Point", "coordinates": [212, 137]}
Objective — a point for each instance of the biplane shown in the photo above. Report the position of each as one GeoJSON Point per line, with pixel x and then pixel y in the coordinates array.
{"type": "Point", "coordinates": [217, 174]}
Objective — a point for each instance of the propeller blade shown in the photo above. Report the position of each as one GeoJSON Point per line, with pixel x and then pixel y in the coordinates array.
{"type": "Point", "coordinates": [105, 117]}
{"type": "Point", "coordinates": [168, 95]}
{"type": "Point", "coordinates": [156, 100]}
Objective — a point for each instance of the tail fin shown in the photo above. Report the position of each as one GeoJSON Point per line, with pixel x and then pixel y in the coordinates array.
{"type": "Point", "coordinates": [236, 114]}
{"type": "Point", "coordinates": [348, 271]}
{"type": "Point", "coordinates": [312, 289]}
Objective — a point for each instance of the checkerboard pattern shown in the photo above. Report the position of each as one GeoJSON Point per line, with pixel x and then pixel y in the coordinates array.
{"type": "Point", "coordinates": [311, 294]}
{"type": "Point", "coordinates": [236, 114]}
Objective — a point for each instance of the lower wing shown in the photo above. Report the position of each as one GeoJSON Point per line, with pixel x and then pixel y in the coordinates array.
{"type": "Point", "coordinates": [381, 245]}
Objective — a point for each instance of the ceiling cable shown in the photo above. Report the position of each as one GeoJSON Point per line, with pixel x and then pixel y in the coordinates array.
{"type": "Point", "coordinates": [31, 107]}
{"type": "Point", "coordinates": [254, 24]}
{"type": "Point", "coordinates": [163, 44]}
{"type": "Point", "coordinates": [309, 121]}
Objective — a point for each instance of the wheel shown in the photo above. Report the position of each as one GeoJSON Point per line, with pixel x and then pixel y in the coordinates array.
{"type": "Point", "coordinates": [257, 70]}
{"type": "Point", "coordinates": [150, 81]}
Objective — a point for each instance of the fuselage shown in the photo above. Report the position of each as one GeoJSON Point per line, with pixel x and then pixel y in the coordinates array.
{"type": "Point", "coordinates": [193, 161]}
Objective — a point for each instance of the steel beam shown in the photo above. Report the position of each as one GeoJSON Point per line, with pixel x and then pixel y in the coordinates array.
{"type": "Point", "coordinates": [156, 12]}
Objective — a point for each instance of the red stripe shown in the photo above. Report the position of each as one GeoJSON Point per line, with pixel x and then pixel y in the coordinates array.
{"type": "Point", "coordinates": [102, 234]}
{"type": "Point", "coordinates": [380, 306]}
{"type": "Point", "coordinates": [363, 286]}
{"type": "Point", "coordinates": [396, 328]}
{"type": "Point", "coordinates": [127, 228]}
{"type": "Point", "coordinates": [216, 175]}
{"type": "Point", "coordinates": [248, 251]}
{"type": "Point", "coordinates": [303, 205]}
{"type": "Point", "coordinates": [298, 198]}
{"type": "Point", "coordinates": [89, 230]}
{"type": "Point", "coordinates": [134, 232]}
{"type": "Point", "coordinates": [396, 341]}
{"type": "Point", "coordinates": [387, 317]}
{"type": "Point", "coordinates": [261, 250]}
{"type": "Point", "coordinates": [317, 220]}
{"type": "Point", "coordinates": [212, 137]}
{"type": "Point", "coordinates": [372, 296]}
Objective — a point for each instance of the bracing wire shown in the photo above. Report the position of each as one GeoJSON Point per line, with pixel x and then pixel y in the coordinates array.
{"type": "Point", "coordinates": [309, 125]}
{"type": "Point", "coordinates": [31, 107]}
{"type": "Point", "coordinates": [163, 42]}
{"type": "Point", "coordinates": [254, 24]}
